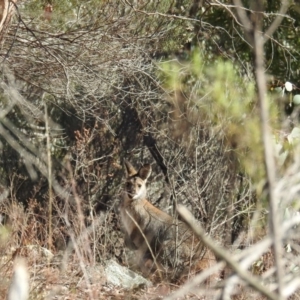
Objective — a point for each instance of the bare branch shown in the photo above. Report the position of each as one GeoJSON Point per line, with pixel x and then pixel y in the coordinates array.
{"type": "Point", "coordinates": [244, 274]}
{"type": "Point", "coordinates": [268, 150]}
{"type": "Point", "coordinates": [283, 9]}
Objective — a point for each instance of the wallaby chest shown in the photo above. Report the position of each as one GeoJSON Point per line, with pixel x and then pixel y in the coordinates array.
{"type": "Point", "coordinates": [143, 216]}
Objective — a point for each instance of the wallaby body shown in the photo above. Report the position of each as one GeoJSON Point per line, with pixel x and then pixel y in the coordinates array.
{"type": "Point", "coordinates": [162, 242]}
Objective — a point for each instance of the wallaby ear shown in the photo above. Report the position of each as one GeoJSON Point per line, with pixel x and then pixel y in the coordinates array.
{"type": "Point", "coordinates": [130, 168]}
{"type": "Point", "coordinates": [145, 171]}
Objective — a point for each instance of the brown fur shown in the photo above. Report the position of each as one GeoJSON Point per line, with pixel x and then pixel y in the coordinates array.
{"type": "Point", "coordinates": [174, 249]}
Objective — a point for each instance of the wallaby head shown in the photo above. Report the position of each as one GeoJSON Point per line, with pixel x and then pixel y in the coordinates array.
{"type": "Point", "coordinates": [135, 187]}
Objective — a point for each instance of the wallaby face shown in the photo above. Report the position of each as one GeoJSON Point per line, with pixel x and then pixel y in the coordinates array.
{"type": "Point", "coordinates": [135, 187]}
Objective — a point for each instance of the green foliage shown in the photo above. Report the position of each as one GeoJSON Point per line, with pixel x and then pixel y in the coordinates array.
{"type": "Point", "coordinates": [219, 94]}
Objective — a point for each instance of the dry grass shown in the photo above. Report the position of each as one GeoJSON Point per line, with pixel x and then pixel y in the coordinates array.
{"type": "Point", "coordinates": [73, 266]}
{"type": "Point", "coordinates": [77, 272]}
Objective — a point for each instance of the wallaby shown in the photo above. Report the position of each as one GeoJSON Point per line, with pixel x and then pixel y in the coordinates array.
{"type": "Point", "coordinates": [163, 243]}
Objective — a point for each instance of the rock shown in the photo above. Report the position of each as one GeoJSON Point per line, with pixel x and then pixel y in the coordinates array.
{"type": "Point", "coordinates": [123, 277]}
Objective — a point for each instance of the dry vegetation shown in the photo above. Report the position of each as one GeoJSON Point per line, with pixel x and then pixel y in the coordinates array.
{"type": "Point", "coordinates": [84, 87]}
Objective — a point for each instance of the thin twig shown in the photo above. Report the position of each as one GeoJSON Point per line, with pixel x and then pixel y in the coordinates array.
{"type": "Point", "coordinates": [49, 176]}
